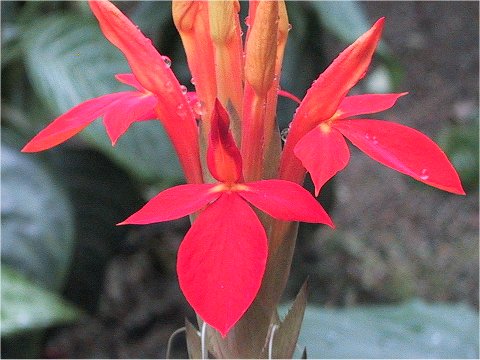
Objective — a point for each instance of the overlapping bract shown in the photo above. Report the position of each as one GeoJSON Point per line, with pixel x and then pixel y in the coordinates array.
{"type": "Point", "coordinates": [222, 259]}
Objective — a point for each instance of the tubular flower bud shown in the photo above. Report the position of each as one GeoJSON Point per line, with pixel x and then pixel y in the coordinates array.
{"type": "Point", "coordinates": [222, 15]}
{"type": "Point", "coordinates": [262, 47]}
{"type": "Point", "coordinates": [184, 13]}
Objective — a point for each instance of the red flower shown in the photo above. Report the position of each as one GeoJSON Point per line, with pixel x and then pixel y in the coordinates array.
{"type": "Point", "coordinates": [318, 129]}
{"type": "Point", "coordinates": [159, 96]}
{"type": "Point", "coordinates": [222, 259]}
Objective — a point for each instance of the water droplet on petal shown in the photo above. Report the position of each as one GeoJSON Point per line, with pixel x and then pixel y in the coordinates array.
{"type": "Point", "coordinates": [374, 140]}
{"type": "Point", "coordinates": [167, 60]}
{"type": "Point", "coordinates": [169, 86]}
{"type": "Point", "coordinates": [424, 175]}
{"type": "Point", "coordinates": [199, 108]}
{"type": "Point", "coordinates": [181, 111]}
{"type": "Point", "coordinates": [289, 27]}
{"type": "Point", "coordinates": [247, 21]}
{"type": "Point", "coordinates": [284, 134]}
{"type": "Point", "coordinates": [367, 136]}
{"type": "Point", "coordinates": [183, 89]}
{"type": "Point", "coordinates": [192, 80]}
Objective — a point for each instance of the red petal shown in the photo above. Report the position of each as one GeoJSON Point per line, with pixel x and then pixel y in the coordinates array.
{"type": "Point", "coordinates": [323, 98]}
{"type": "Point", "coordinates": [135, 106]}
{"type": "Point", "coordinates": [174, 203]}
{"type": "Point", "coordinates": [221, 261]}
{"type": "Point", "coordinates": [146, 63]}
{"type": "Point", "coordinates": [366, 104]}
{"type": "Point", "coordinates": [72, 122]}
{"type": "Point", "coordinates": [131, 80]}
{"type": "Point", "coordinates": [403, 149]}
{"type": "Point", "coordinates": [323, 152]}
{"type": "Point", "coordinates": [286, 201]}
{"type": "Point", "coordinates": [155, 75]}
{"type": "Point", "coordinates": [223, 157]}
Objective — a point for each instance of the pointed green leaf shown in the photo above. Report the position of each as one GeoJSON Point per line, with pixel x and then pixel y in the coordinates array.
{"type": "Point", "coordinates": [286, 336]}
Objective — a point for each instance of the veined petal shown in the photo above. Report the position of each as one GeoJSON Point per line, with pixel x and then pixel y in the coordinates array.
{"type": "Point", "coordinates": [174, 203]}
{"type": "Point", "coordinates": [223, 157]}
{"type": "Point", "coordinates": [135, 106]}
{"type": "Point", "coordinates": [366, 104]}
{"type": "Point", "coordinates": [221, 261]}
{"type": "Point", "coordinates": [323, 152]}
{"type": "Point", "coordinates": [403, 149]}
{"type": "Point", "coordinates": [323, 98]}
{"type": "Point", "coordinates": [131, 80]}
{"type": "Point", "coordinates": [72, 122]}
{"type": "Point", "coordinates": [285, 200]}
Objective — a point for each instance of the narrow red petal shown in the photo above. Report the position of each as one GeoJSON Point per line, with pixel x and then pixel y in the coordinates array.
{"type": "Point", "coordinates": [223, 157]}
{"type": "Point", "coordinates": [174, 203]}
{"type": "Point", "coordinates": [72, 122]}
{"type": "Point", "coordinates": [285, 200]}
{"type": "Point", "coordinates": [326, 93]}
{"type": "Point", "coordinates": [153, 72]}
{"type": "Point", "coordinates": [322, 99]}
{"type": "Point", "coordinates": [134, 107]}
{"type": "Point", "coordinates": [403, 149]}
{"type": "Point", "coordinates": [366, 104]}
{"type": "Point", "coordinates": [131, 80]}
{"type": "Point", "coordinates": [323, 152]}
{"type": "Point", "coordinates": [146, 63]}
{"type": "Point", "coordinates": [221, 261]}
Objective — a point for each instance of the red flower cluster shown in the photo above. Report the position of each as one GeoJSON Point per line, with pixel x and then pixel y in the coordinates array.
{"type": "Point", "coordinates": [222, 259]}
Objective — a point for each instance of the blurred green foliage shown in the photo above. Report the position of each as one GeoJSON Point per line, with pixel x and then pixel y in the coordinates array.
{"type": "Point", "coordinates": [461, 144]}
{"type": "Point", "coordinates": [411, 330]}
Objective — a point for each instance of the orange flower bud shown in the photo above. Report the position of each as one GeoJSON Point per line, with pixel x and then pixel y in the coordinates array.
{"type": "Point", "coordinates": [262, 48]}
{"type": "Point", "coordinates": [222, 19]}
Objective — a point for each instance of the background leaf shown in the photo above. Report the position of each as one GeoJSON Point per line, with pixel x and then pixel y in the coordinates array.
{"type": "Point", "coordinates": [102, 195]}
{"type": "Point", "coordinates": [37, 224]}
{"type": "Point", "coordinates": [69, 61]}
{"type": "Point", "coordinates": [411, 330]}
{"type": "Point", "coordinates": [26, 306]}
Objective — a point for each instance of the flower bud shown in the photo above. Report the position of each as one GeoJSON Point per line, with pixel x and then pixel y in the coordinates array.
{"type": "Point", "coordinates": [184, 13]}
{"type": "Point", "coordinates": [261, 48]}
{"type": "Point", "coordinates": [222, 19]}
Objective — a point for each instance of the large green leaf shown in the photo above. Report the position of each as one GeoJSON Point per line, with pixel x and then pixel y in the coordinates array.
{"type": "Point", "coordinates": [412, 330]}
{"type": "Point", "coordinates": [69, 61]}
{"type": "Point", "coordinates": [102, 195]}
{"type": "Point", "coordinates": [26, 306]}
{"type": "Point", "coordinates": [37, 224]}
{"type": "Point", "coordinates": [345, 19]}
